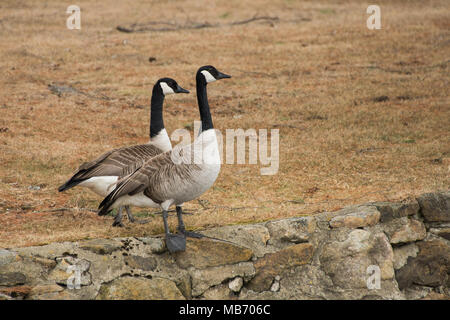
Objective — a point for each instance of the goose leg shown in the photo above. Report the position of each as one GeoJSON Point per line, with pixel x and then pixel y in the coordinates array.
{"type": "Point", "coordinates": [132, 219]}
{"type": "Point", "coordinates": [181, 227]}
{"type": "Point", "coordinates": [130, 216]}
{"type": "Point", "coordinates": [174, 242]}
{"type": "Point", "coordinates": [118, 218]}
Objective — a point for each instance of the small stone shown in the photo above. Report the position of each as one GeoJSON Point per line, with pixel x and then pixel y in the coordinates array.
{"type": "Point", "coordinates": [236, 284]}
{"type": "Point", "coordinates": [275, 286]}
{"type": "Point", "coordinates": [435, 207]}
{"type": "Point", "coordinates": [356, 217]}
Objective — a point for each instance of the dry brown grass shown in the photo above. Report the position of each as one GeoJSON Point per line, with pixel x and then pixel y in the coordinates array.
{"type": "Point", "coordinates": [315, 74]}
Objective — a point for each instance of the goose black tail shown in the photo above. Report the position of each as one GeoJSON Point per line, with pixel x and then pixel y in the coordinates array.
{"type": "Point", "coordinates": [69, 184]}
{"type": "Point", "coordinates": [105, 205]}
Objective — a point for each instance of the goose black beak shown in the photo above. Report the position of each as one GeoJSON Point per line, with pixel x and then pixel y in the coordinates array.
{"type": "Point", "coordinates": [221, 75]}
{"type": "Point", "coordinates": [181, 90]}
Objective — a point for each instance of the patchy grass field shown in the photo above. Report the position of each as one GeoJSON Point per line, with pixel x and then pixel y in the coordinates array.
{"type": "Point", "coordinates": [364, 115]}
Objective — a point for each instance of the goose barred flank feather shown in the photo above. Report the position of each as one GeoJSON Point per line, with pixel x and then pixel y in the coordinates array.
{"type": "Point", "coordinates": [154, 177]}
{"type": "Point", "coordinates": [116, 162]}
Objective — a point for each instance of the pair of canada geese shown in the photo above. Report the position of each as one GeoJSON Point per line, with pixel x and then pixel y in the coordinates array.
{"type": "Point", "coordinates": [147, 176]}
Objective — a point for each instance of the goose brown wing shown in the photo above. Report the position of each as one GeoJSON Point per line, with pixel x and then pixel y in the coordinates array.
{"type": "Point", "coordinates": [155, 177]}
{"type": "Point", "coordinates": [112, 163]}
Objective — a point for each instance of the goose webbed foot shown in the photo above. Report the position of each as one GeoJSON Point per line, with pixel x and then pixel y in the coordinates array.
{"type": "Point", "coordinates": [174, 242]}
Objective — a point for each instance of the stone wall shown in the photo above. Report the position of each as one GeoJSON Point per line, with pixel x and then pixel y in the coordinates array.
{"type": "Point", "coordinates": [338, 255]}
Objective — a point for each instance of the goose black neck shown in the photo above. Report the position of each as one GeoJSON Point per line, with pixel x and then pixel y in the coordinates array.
{"type": "Point", "coordinates": [203, 105]}
{"type": "Point", "coordinates": [156, 116]}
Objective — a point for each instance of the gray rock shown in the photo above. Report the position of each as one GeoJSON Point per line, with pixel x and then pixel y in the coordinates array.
{"type": "Point", "coordinates": [130, 288]}
{"type": "Point", "coordinates": [401, 254]}
{"type": "Point", "coordinates": [347, 262]}
{"type": "Point", "coordinates": [49, 251]}
{"type": "Point", "coordinates": [435, 206]}
{"type": "Point", "coordinates": [26, 267]}
{"type": "Point", "coordinates": [206, 278]}
{"type": "Point", "coordinates": [236, 284]}
{"type": "Point", "coordinates": [404, 230]}
{"type": "Point", "coordinates": [275, 286]}
{"type": "Point", "coordinates": [274, 264]}
{"type": "Point", "coordinates": [430, 267]}
{"type": "Point", "coordinates": [293, 230]}
{"type": "Point", "coordinates": [393, 210]}
{"type": "Point", "coordinates": [104, 268]}
{"type": "Point", "coordinates": [205, 253]}
{"type": "Point", "coordinates": [254, 236]}
{"type": "Point", "coordinates": [156, 245]}
{"type": "Point", "coordinates": [306, 282]}
{"type": "Point", "coordinates": [355, 217]}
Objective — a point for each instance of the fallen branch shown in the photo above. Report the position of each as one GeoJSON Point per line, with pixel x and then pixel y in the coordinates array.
{"type": "Point", "coordinates": [168, 26]}
{"type": "Point", "coordinates": [68, 209]}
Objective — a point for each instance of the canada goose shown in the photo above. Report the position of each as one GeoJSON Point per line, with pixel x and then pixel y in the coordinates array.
{"type": "Point", "coordinates": [171, 178]}
{"type": "Point", "coordinates": [99, 174]}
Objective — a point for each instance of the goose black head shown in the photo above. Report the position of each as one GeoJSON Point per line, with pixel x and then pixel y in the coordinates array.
{"type": "Point", "coordinates": [169, 86]}
{"type": "Point", "coordinates": [210, 74]}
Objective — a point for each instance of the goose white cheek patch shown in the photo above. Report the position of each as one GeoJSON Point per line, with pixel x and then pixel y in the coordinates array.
{"type": "Point", "coordinates": [208, 76]}
{"type": "Point", "coordinates": [165, 88]}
